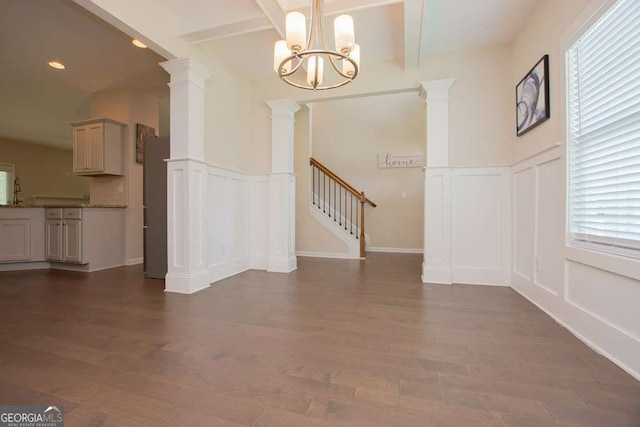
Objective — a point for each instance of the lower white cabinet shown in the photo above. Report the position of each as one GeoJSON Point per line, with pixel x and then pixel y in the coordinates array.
{"type": "Point", "coordinates": [63, 236]}
{"type": "Point", "coordinates": [53, 239]}
{"type": "Point", "coordinates": [74, 238]}
{"type": "Point", "coordinates": [21, 235]}
{"type": "Point", "coordinates": [14, 238]}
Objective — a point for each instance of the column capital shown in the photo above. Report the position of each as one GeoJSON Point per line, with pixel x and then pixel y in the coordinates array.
{"type": "Point", "coordinates": [435, 90]}
{"type": "Point", "coordinates": [285, 105]}
{"type": "Point", "coordinates": [186, 69]}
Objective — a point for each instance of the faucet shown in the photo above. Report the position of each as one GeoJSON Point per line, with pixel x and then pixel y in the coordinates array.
{"type": "Point", "coordinates": [16, 190]}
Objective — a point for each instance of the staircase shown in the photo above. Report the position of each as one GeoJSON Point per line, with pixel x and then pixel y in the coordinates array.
{"type": "Point", "coordinates": [339, 202]}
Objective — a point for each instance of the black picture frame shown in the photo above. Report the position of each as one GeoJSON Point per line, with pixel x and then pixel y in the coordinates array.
{"type": "Point", "coordinates": [533, 106]}
{"type": "Point", "coordinates": [142, 131]}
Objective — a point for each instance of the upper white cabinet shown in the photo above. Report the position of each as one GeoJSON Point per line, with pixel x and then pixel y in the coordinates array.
{"type": "Point", "coordinates": [97, 147]}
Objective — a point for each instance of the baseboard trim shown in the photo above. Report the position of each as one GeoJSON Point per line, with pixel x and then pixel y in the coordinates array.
{"type": "Point", "coordinates": [578, 335]}
{"type": "Point", "coordinates": [133, 261]}
{"type": "Point", "coordinates": [334, 255]}
{"type": "Point", "coordinates": [395, 250]}
{"type": "Point", "coordinates": [18, 266]}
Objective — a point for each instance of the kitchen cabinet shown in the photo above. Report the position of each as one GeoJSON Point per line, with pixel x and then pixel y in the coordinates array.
{"type": "Point", "coordinates": [21, 235]}
{"type": "Point", "coordinates": [63, 237]}
{"type": "Point", "coordinates": [14, 235]}
{"type": "Point", "coordinates": [97, 147]}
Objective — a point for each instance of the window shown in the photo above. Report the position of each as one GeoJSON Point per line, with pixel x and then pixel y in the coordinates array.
{"type": "Point", "coordinates": [6, 183]}
{"type": "Point", "coordinates": [603, 69]}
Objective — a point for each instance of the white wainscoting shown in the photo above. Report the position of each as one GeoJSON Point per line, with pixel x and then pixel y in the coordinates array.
{"type": "Point", "coordinates": [436, 267]}
{"type": "Point", "coordinates": [481, 225]}
{"type": "Point", "coordinates": [594, 295]}
{"type": "Point", "coordinates": [259, 222]}
{"type": "Point", "coordinates": [228, 223]}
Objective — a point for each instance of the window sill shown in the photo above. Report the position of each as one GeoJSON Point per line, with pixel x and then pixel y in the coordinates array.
{"type": "Point", "coordinates": [621, 265]}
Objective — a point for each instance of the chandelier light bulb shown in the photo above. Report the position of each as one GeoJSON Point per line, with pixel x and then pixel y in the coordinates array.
{"type": "Point", "coordinates": [344, 34]}
{"type": "Point", "coordinates": [315, 71]}
{"type": "Point", "coordinates": [347, 66]}
{"type": "Point", "coordinates": [280, 52]}
{"type": "Point", "coordinates": [296, 31]}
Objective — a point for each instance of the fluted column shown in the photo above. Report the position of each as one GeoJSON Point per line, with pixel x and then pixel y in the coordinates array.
{"type": "Point", "coordinates": [436, 267]}
{"type": "Point", "coordinates": [282, 188]}
{"type": "Point", "coordinates": [186, 179]}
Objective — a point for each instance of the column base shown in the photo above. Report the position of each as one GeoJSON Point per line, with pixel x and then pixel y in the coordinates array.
{"type": "Point", "coordinates": [282, 264]}
{"type": "Point", "coordinates": [436, 274]}
{"type": "Point", "coordinates": [186, 283]}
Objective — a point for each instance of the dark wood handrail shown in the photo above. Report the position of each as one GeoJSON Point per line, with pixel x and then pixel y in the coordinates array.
{"type": "Point", "coordinates": [342, 182]}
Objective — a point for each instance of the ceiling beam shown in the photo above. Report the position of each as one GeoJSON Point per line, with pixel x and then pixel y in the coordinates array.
{"type": "Point", "coordinates": [274, 13]}
{"type": "Point", "coordinates": [229, 30]}
{"type": "Point", "coordinates": [345, 6]}
{"type": "Point", "coordinates": [414, 11]}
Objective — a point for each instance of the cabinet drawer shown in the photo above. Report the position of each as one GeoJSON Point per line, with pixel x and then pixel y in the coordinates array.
{"type": "Point", "coordinates": [53, 213]}
{"type": "Point", "coordinates": [72, 213]}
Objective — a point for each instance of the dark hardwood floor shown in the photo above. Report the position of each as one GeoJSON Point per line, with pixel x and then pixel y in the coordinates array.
{"type": "Point", "coordinates": [335, 343]}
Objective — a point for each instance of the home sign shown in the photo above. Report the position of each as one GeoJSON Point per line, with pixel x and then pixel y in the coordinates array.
{"type": "Point", "coordinates": [400, 160]}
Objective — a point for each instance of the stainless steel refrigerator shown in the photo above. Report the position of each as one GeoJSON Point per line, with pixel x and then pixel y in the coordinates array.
{"type": "Point", "coordinates": [156, 150]}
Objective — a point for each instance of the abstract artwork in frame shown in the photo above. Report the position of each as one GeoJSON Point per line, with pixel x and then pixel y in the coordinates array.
{"type": "Point", "coordinates": [142, 132]}
{"type": "Point", "coordinates": [532, 97]}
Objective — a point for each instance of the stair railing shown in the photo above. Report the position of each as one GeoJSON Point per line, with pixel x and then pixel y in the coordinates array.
{"type": "Point", "coordinates": [339, 201]}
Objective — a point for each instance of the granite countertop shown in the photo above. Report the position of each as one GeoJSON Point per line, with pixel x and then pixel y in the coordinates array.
{"type": "Point", "coordinates": [50, 205]}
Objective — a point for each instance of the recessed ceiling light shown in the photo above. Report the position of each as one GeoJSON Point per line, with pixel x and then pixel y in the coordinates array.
{"type": "Point", "coordinates": [139, 44]}
{"type": "Point", "coordinates": [57, 65]}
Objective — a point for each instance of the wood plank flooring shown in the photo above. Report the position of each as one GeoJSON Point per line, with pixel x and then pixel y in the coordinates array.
{"type": "Point", "coordinates": [337, 342]}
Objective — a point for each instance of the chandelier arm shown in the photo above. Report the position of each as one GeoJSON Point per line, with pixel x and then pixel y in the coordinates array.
{"type": "Point", "coordinates": [293, 69]}
{"type": "Point", "coordinates": [321, 29]}
{"type": "Point", "coordinates": [312, 26]}
{"type": "Point", "coordinates": [338, 70]}
{"type": "Point", "coordinates": [299, 86]}
{"type": "Point", "coordinates": [301, 56]}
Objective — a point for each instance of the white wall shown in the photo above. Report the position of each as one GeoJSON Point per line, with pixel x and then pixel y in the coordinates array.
{"type": "Point", "coordinates": [43, 170]}
{"type": "Point", "coordinates": [130, 107]}
{"type": "Point", "coordinates": [347, 136]}
{"type": "Point", "coordinates": [312, 238]}
{"type": "Point", "coordinates": [479, 134]}
{"type": "Point", "coordinates": [594, 295]}
{"type": "Point", "coordinates": [227, 113]}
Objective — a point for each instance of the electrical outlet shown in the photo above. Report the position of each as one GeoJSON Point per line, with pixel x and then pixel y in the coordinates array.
{"type": "Point", "coordinates": [403, 195]}
{"type": "Point", "coordinates": [538, 263]}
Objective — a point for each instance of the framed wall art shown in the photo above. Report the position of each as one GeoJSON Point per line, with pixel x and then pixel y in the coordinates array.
{"type": "Point", "coordinates": [142, 132]}
{"type": "Point", "coordinates": [532, 97]}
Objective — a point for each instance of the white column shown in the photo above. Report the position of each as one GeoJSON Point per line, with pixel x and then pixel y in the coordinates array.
{"type": "Point", "coordinates": [436, 267]}
{"type": "Point", "coordinates": [187, 175]}
{"type": "Point", "coordinates": [282, 188]}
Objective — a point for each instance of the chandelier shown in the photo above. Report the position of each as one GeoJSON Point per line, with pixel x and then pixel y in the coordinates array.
{"type": "Point", "coordinates": [310, 51]}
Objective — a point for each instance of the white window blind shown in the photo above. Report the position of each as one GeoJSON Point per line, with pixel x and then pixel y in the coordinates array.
{"type": "Point", "coordinates": [604, 130]}
{"type": "Point", "coordinates": [6, 183]}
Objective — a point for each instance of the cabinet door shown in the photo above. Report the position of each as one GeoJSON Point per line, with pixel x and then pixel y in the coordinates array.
{"type": "Point", "coordinates": [15, 240]}
{"type": "Point", "coordinates": [80, 147]}
{"type": "Point", "coordinates": [72, 248]}
{"type": "Point", "coordinates": [53, 240]}
{"type": "Point", "coordinates": [95, 159]}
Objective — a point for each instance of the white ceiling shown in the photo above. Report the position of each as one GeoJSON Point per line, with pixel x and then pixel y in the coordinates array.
{"type": "Point", "coordinates": [403, 30]}
{"type": "Point", "coordinates": [37, 102]}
